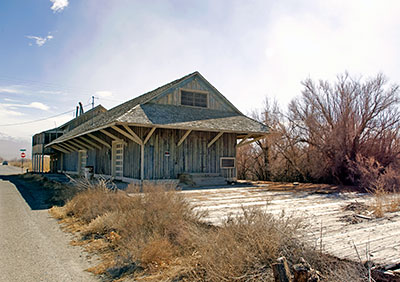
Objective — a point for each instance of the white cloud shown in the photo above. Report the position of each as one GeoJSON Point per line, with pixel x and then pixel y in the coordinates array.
{"type": "Point", "coordinates": [11, 100]}
{"type": "Point", "coordinates": [104, 93]}
{"type": "Point", "coordinates": [40, 41]}
{"type": "Point", "coordinates": [50, 92]}
{"type": "Point", "coordinates": [38, 105]}
{"type": "Point", "coordinates": [5, 113]}
{"type": "Point", "coordinates": [58, 5]}
{"type": "Point", "coordinates": [33, 105]}
{"type": "Point", "coordinates": [9, 90]}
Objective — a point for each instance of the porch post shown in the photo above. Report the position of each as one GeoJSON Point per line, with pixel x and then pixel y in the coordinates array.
{"type": "Point", "coordinates": [142, 161]}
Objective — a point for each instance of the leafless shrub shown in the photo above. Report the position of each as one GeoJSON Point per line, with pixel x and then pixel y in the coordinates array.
{"type": "Point", "coordinates": [382, 182]}
{"type": "Point", "coordinates": [158, 236]}
{"type": "Point", "coordinates": [337, 122]}
{"type": "Point", "coordinates": [323, 131]}
{"type": "Point", "coordinates": [94, 202]}
{"type": "Point", "coordinates": [246, 245]}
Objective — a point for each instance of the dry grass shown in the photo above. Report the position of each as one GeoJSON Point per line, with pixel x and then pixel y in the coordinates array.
{"type": "Point", "coordinates": [27, 164]}
{"type": "Point", "coordinates": [155, 235]}
{"type": "Point", "coordinates": [384, 202]}
{"type": "Point", "coordinates": [151, 185]}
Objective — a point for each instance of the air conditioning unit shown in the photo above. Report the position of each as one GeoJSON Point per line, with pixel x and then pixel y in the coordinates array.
{"type": "Point", "coordinates": [227, 162]}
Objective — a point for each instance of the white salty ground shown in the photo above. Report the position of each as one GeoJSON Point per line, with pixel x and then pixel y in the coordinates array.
{"type": "Point", "coordinates": [323, 212]}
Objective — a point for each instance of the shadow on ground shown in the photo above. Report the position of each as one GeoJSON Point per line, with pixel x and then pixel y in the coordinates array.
{"type": "Point", "coordinates": [35, 194]}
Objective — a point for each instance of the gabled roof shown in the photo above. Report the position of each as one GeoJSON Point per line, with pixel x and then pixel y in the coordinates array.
{"type": "Point", "coordinates": [141, 113]}
{"type": "Point", "coordinates": [82, 118]}
{"type": "Point", "coordinates": [75, 121]}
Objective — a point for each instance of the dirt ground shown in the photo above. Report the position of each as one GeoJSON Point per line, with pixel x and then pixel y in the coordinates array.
{"type": "Point", "coordinates": [333, 228]}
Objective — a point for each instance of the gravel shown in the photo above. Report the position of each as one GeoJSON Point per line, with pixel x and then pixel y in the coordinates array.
{"type": "Point", "coordinates": [32, 245]}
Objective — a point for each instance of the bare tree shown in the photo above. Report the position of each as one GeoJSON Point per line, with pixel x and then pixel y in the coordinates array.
{"type": "Point", "coordinates": [335, 123]}
{"type": "Point", "coordinates": [275, 157]}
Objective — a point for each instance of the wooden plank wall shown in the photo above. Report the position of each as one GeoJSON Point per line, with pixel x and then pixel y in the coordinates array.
{"type": "Point", "coordinates": [215, 102]}
{"type": "Point", "coordinates": [71, 161]}
{"type": "Point", "coordinates": [132, 156]}
{"type": "Point", "coordinates": [192, 156]}
{"type": "Point", "coordinates": [100, 160]}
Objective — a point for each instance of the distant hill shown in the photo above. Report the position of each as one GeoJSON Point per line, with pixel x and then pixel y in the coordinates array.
{"type": "Point", "coordinates": [10, 146]}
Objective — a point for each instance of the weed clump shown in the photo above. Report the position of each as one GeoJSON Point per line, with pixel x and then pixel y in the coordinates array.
{"type": "Point", "coordinates": [156, 235]}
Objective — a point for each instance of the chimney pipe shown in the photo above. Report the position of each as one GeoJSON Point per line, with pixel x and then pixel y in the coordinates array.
{"type": "Point", "coordinates": [77, 111]}
{"type": "Point", "coordinates": [80, 108]}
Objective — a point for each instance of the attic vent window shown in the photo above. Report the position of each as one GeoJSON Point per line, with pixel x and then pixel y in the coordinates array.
{"type": "Point", "coordinates": [195, 99]}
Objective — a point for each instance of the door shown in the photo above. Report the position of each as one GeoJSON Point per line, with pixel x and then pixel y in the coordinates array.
{"type": "Point", "coordinates": [117, 160]}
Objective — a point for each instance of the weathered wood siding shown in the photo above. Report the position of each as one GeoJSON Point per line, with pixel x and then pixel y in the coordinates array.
{"type": "Point", "coordinates": [192, 156]}
{"type": "Point", "coordinates": [70, 161]}
{"type": "Point", "coordinates": [100, 160]}
{"type": "Point", "coordinates": [172, 96]}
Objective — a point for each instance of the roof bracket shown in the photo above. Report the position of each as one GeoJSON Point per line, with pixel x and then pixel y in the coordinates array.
{"type": "Point", "coordinates": [149, 135]}
{"type": "Point", "coordinates": [99, 140]}
{"type": "Point", "coordinates": [214, 139]}
{"type": "Point", "coordinates": [112, 136]}
{"type": "Point", "coordinates": [251, 141]}
{"type": "Point", "coordinates": [184, 137]}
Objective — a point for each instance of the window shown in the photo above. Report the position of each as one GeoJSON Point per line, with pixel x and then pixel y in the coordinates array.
{"type": "Point", "coordinates": [227, 162]}
{"type": "Point", "coordinates": [195, 99]}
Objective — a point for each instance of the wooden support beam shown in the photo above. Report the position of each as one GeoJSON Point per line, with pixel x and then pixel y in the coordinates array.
{"type": "Point", "coordinates": [63, 146]}
{"type": "Point", "coordinates": [184, 137]}
{"type": "Point", "coordinates": [90, 142]}
{"type": "Point", "coordinates": [71, 146]}
{"type": "Point", "coordinates": [244, 139]}
{"type": "Point", "coordinates": [89, 147]}
{"type": "Point", "coordinates": [142, 162]}
{"type": "Point", "coordinates": [60, 149]}
{"type": "Point", "coordinates": [123, 132]}
{"type": "Point", "coordinates": [133, 134]}
{"type": "Point", "coordinates": [214, 139]}
{"type": "Point", "coordinates": [80, 147]}
{"type": "Point", "coordinates": [251, 141]}
{"type": "Point", "coordinates": [149, 135]}
{"type": "Point", "coordinates": [99, 140]}
{"type": "Point", "coordinates": [112, 136]}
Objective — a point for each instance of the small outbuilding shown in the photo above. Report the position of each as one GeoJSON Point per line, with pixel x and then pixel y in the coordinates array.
{"type": "Point", "coordinates": [184, 127]}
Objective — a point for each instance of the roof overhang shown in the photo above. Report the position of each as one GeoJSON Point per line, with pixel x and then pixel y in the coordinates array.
{"type": "Point", "coordinates": [253, 134]}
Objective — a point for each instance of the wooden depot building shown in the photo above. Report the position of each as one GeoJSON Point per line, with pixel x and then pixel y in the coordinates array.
{"type": "Point", "coordinates": [184, 127]}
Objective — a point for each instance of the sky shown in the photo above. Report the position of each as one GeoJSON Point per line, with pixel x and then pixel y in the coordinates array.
{"type": "Point", "coordinates": [56, 53]}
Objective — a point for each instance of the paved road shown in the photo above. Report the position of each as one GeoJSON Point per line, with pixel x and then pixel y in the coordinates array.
{"type": "Point", "coordinates": [32, 246]}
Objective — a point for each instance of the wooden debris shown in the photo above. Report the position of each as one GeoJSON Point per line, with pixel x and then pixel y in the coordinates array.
{"type": "Point", "coordinates": [304, 273]}
{"type": "Point", "coordinates": [281, 270]}
{"type": "Point", "coordinates": [363, 216]}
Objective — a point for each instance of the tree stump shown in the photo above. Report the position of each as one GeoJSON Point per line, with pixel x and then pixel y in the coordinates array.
{"type": "Point", "coordinates": [301, 272]}
{"type": "Point", "coordinates": [281, 270]}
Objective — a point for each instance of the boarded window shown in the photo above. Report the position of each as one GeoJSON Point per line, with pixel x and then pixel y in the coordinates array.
{"type": "Point", "coordinates": [194, 99]}
{"type": "Point", "coordinates": [227, 162]}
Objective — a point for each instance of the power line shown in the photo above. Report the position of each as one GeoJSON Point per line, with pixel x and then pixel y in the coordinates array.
{"type": "Point", "coordinates": [48, 85]}
{"type": "Point", "coordinates": [107, 99]}
{"type": "Point", "coordinates": [42, 119]}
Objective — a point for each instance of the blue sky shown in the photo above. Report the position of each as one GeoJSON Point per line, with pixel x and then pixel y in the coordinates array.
{"type": "Point", "coordinates": [56, 53]}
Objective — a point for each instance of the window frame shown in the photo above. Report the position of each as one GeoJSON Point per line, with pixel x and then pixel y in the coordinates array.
{"type": "Point", "coordinates": [225, 158]}
{"type": "Point", "coordinates": [194, 91]}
